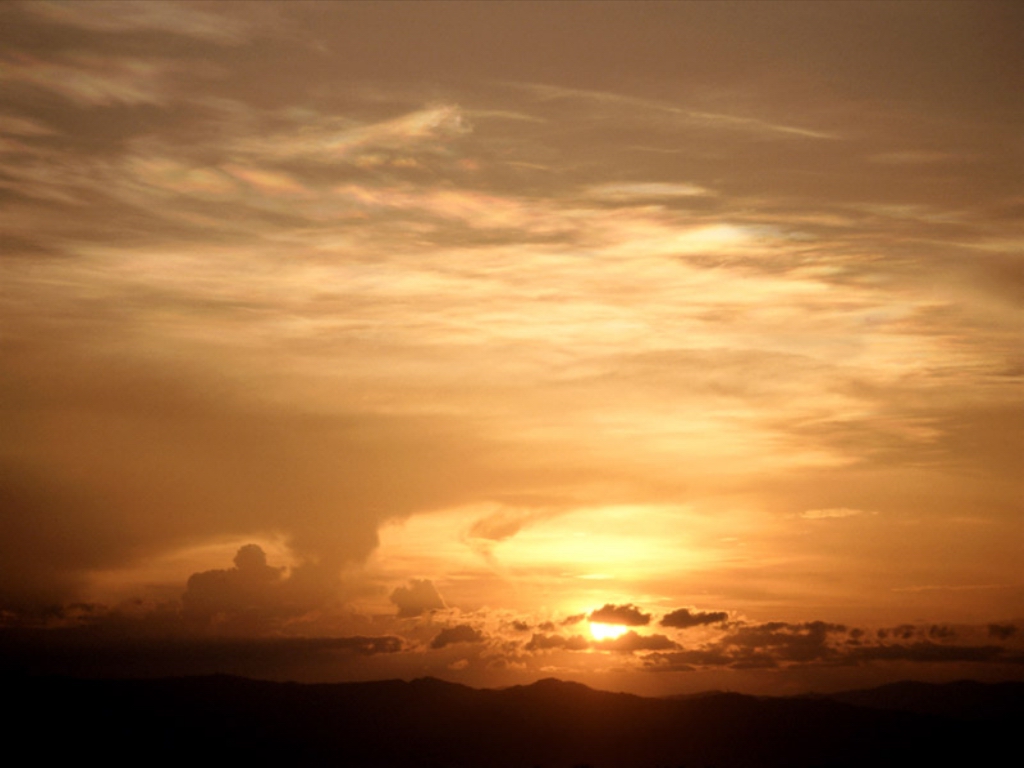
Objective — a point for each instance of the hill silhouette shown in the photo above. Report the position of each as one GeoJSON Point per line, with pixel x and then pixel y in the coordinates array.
{"type": "Point", "coordinates": [429, 723]}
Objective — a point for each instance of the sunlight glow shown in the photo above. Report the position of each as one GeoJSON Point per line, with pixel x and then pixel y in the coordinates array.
{"type": "Point", "coordinates": [606, 631]}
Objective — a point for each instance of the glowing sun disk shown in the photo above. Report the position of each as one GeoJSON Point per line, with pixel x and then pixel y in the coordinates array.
{"type": "Point", "coordinates": [606, 631]}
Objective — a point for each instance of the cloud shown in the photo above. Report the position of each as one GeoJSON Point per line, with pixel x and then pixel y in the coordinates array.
{"type": "Point", "coordinates": [785, 645]}
{"type": "Point", "coordinates": [253, 597]}
{"type": "Point", "coordinates": [621, 192]}
{"type": "Point", "coordinates": [1002, 631]}
{"type": "Point", "coordinates": [359, 645]}
{"type": "Point", "coordinates": [190, 462]}
{"type": "Point", "coordinates": [941, 632]}
{"type": "Point", "coordinates": [715, 120]}
{"type": "Point", "coordinates": [152, 15]}
{"type": "Point", "coordinates": [238, 588]}
{"type": "Point", "coordinates": [948, 587]}
{"type": "Point", "coordinates": [831, 513]}
{"type": "Point", "coordinates": [328, 139]}
{"type": "Point", "coordinates": [421, 596]}
{"type": "Point", "coordinates": [500, 525]}
{"type": "Point", "coordinates": [40, 565]}
{"type": "Point", "coordinates": [93, 80]}
{"type": "Point", "coordinates": [285, 308]}
{"type": "Point", "coordinates": [912, 157]}
{"type": "Point", "coordinates": [542, 642]}
{"type": "Point", "coordinates": [688, 660]}
{"type": "Point", "coordinates": [23, 126]}
{"type": "Point", "coordinates": [461, 633]}
{"type": "Point", "coordinates": [926, 652]}
{"type": "Point", "coordinates": [684, 618]}
{"type": "Point", "coordinates": [631, 642]}
{"type": "Point", "coordinates": [628, 615]}
{"type": "Point", "coordinates": [900, 632]}
{"type": "Point", "coordinates": [804, 642]}
{"type": "Point", "coordinates": [119, 649]}
{"type": "Point", "coordinates": [759, 646]}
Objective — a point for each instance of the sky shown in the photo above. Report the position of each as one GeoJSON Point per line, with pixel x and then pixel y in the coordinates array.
{"type": "Point", "coordinates": [659, 346]}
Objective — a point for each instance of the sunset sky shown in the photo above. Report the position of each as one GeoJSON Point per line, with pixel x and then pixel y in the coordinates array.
{"type": "Point", "coordinates": [659, 346]}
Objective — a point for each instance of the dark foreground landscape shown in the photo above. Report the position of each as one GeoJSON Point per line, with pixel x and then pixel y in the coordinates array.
{"type": "Point", "coordinates": [430, 724]}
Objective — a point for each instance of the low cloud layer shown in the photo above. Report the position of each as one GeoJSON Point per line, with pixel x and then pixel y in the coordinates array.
{"type": "Point", "coordinates": [781, 645]}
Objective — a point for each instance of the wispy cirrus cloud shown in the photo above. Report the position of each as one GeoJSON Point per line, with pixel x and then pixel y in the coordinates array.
{"type": "Point", "coordinates": [330, 139]}
{"type": "Point", "coordinates": [116, 16]}
{"type": "Point", "coordinates": [833, 513]}
{"type": "Point", "coordinates": [695, 118]}
{"type": "Point", "coordinates": [636, 191]}
{"type": "Point", "coordinates": [92, 79]}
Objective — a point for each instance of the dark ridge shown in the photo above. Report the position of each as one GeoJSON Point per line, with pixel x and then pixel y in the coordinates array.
{"type": "Point", "coordinates": [964, 699]}
{"type": "Point", "coordinates": [429, 723]}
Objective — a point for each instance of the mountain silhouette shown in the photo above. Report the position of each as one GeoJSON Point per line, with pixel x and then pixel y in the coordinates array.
{"type": "Point", "coordinates": [429, 723]}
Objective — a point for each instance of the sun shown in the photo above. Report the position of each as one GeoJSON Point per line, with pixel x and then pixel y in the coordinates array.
{"type": "Point", "coordinates": [606, 631]}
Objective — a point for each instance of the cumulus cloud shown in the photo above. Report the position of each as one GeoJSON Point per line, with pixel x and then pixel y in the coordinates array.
{"type": "Point", "coordinates": [804, 642]}
{"type": "Point", "coordinates": [542, 642]}
{"type": "Point", "coordinates": [758, 646]}
{"type": "Point", "coordinates": [627, 615]}
{"type": "Point", "coordinates": [461, 633]}
{"type": "Point", "coordinates": [416, 599]}
{"type": "Point", "coordinates": [684, 618]}
{"type": "Point", "coordinates": [244, 597]}
{"type": "Point", "coordinates": [631, 642]}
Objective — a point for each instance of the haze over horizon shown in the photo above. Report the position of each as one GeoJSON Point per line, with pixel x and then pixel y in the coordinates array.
{"type": "Point", "coordinates": [658, 346]}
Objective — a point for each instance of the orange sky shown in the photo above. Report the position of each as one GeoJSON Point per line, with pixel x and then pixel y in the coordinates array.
{"type": "Point", "coordinates": [398, 339]}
